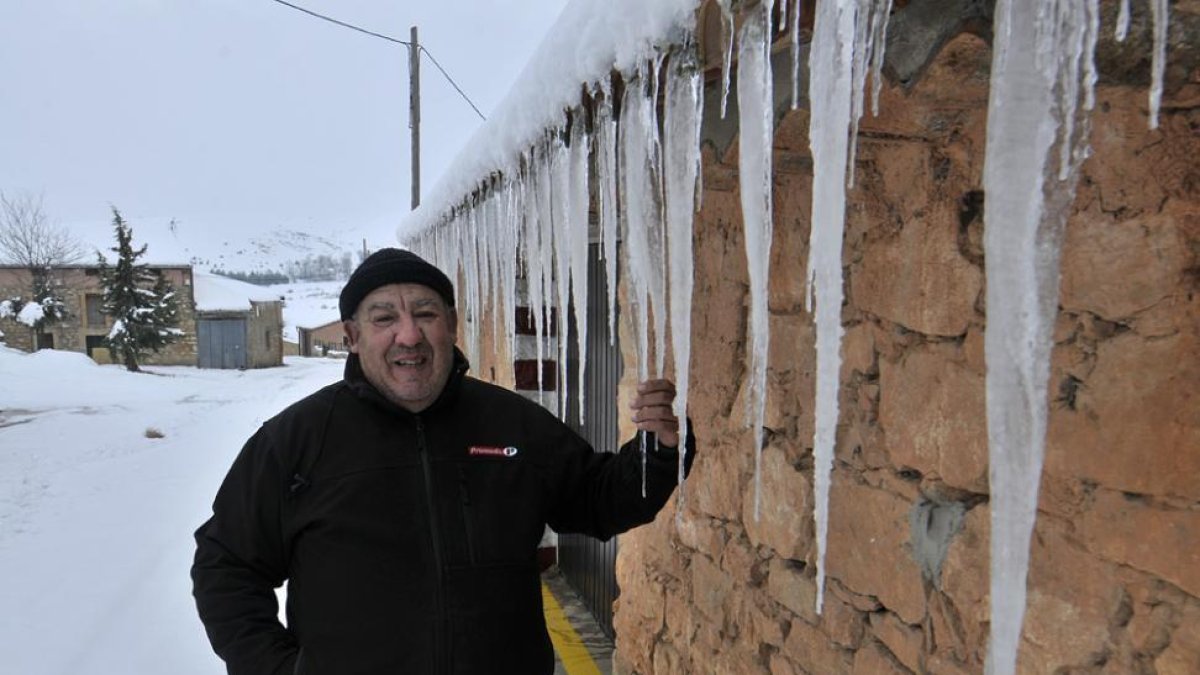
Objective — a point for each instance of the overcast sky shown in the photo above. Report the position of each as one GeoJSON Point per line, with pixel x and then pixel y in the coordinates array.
{"type": "Point", "coordinates": [245, 113]}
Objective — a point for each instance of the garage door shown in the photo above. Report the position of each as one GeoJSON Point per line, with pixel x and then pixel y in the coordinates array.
{"type": "Point", "coordinates": [221, 343]}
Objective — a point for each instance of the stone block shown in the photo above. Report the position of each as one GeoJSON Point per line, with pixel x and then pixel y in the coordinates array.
{"type": "Point", "coordinates": [790, 586]}
{"type": "Point", "coordinates": [1182, 655]}
{"type": "Point", "coordinates": [965, 576]}
{"type": "Point", "coordinates": [721, 479]}
{"type": "Point", "coordinates": [869, 550]}
{"type": "Point", "coordinates": [905, 642]}
{"type": "Point", "coordinates": [1072, 599]}
{"type": "Point", "coordinates": [1159, 540]}
{"type": "Point", "coordinates": [933, 413]}
{"type": "Point", "coordinates": [1133, 424]}
{"type": "Point", "coordinates": [791, 375]}
{"type": "Point", "coordinates": [711, 589]}
{"type": "Point", "coordinates": [841, 622]}
{"type": "Point", "coordinates": [1116, 269]}
{"type": "Point", "coordinates": [873, 659]}
{"type": "Point", "coordinates": [812, 651]}
{"type": "Point", "coordinates": [917, 277]}
{"type": "Point", "coordinates": [784, 521]}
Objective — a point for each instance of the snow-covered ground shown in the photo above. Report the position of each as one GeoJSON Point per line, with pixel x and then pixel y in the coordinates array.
{"type": "Point", "coordinates": [96, 519]}
{"type": "Point", "coordinates": [307, 304]}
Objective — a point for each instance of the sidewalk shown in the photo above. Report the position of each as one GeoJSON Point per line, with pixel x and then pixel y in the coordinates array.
{"type": "Point", "coordinates": [580, 648]}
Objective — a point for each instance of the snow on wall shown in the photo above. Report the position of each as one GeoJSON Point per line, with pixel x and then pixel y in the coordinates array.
{"type": "Point", "coordinates": [588, 41]}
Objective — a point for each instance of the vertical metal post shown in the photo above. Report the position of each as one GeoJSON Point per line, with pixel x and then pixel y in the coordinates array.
{"type": "Point", "coordinates": [414, 114]}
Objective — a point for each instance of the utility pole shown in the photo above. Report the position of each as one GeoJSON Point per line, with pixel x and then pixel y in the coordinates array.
{"type": "Point", "coordinates": [414, 114]}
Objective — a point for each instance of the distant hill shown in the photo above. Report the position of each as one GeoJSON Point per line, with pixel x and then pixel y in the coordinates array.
{"type": "Point", "coordinates": [253, 254]}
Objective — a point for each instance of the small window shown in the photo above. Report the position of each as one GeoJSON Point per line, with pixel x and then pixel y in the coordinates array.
{"type": "Point", "coordinates": [95, 318]}
{"type": "Point", "coordinates": [267, 335]}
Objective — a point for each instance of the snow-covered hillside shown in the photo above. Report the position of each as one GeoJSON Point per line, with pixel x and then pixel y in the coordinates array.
{"type": "Point", "coordinates": [96, 518]}
{"type": "Point", "coordinates": [237, 246]}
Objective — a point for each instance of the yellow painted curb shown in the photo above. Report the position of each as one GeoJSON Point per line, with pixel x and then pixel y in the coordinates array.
{"type": "Point", "coordinates": [569, 647]}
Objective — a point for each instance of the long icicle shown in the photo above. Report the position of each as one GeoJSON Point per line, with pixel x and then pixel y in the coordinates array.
{"type": "Point", "coordinates": [727, 27]}
{"type": "Point", "coordinates": [606, 196]}
{"type": "Point", "coordinates": [560, 198]}
{"type": "Point", "coordinates": [756, 110]}
{"type": "Point", "coordinates": [1042, 72]}
{"type": "Point", "coordinates": [1160, 11]}
{"type": "Point", "coordinates": [683, 110]}
{"type": "Point", "coordinates": [577, 222]}
{"type": "Point", "coordinates": [545, 208]}
{"type": "Point", "coordinates": [635, 207]}
{"type": "Point", "coordinates": [829, 91]}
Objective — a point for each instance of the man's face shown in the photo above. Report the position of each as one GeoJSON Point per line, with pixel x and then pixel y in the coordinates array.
{"type": "Point", "coordinates": [404, 337]}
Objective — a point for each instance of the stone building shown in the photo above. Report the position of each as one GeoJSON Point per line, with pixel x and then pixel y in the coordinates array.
{"type": "Point", "coordinates": [238, 325]}
{"type": "Point", "coordinates": [323, 339]}
{"type": "Point", "coordinates": [1114, 578]}
{"type": "Point", "coordinates": [84, 330]}
{"type": "Point", "coordinates": [226, 323]}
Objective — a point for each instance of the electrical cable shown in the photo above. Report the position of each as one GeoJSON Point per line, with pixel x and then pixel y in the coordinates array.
{"type": "Point", "coordinates": [389, 39]}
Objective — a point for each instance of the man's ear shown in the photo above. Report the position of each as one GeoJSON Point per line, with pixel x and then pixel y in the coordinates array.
{"type": "Point", "coordinates": [452, 319]}
{"type": "Point", "coordinates": [351, 328]}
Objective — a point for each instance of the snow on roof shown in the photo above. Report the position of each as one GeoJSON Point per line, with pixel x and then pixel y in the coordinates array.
{"type": "Point", "coordinates": [214, 293]}
{"type": "Point", "coordinates": [589, 40]}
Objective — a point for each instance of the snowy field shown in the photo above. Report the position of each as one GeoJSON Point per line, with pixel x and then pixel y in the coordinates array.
{"type": "Point", "coordinates": [96, 519]}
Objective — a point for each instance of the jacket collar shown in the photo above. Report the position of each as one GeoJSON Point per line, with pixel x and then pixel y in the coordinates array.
{"type": "Point", "coordinates": [356, 380]}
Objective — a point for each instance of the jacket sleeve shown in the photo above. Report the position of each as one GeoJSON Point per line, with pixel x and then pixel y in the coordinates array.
{"type": "Point", "coordinates": [600, 494]}
{"type": "Point", "coordinates": [240, 561]}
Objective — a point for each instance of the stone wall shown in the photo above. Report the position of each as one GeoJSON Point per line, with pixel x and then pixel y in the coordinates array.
{"type": "Point", "coordinates": [264, 334]}
{"type": "Point", "coordinates": [80, 281]}
{"type": "Point", "coordinates": [1114, 584]}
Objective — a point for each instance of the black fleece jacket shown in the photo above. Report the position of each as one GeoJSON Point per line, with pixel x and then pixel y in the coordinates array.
{"type": "Point", "coordinates": [408, 541]}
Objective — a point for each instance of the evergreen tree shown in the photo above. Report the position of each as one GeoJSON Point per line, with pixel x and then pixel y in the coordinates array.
{"type": "Point", "coordinates": [141, 302]}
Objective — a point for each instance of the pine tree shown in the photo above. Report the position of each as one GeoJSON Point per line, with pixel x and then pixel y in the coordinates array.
{"type": "Point", "coordinates": [141, 302]}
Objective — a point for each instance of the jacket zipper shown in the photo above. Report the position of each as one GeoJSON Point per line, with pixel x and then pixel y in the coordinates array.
{"type": "Point", "coordinates": [468, 521]}
{"type": "Point", "coordinates": [441, 635]}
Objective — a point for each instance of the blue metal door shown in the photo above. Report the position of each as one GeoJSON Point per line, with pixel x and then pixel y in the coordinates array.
{"type": "Point", "coordinates": [221, 343]}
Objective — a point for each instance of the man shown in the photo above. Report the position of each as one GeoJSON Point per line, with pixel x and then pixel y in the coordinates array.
{"type": "Point", "coordinates": [404, 505]}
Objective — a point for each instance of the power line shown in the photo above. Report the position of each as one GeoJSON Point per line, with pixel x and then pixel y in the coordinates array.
{"type": "Point", "coordinates": [343, 23]}
{"type": "Point", "coordinates": [389, 39]}
{"type": "Point", "coordinates": [452, 83]}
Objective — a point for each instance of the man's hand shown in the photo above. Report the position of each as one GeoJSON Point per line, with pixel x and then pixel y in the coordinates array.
{"type": "Point", "coordinates": [652, 411]}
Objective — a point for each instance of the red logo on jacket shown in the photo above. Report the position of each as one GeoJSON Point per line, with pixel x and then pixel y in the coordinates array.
{"type": "Point", "coordinates": [492, 451]}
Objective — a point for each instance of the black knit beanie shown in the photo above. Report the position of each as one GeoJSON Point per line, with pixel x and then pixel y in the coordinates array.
{"type": "Point", "coordinates": [392, 266]}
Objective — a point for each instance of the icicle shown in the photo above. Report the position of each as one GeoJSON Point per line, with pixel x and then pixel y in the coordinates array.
{"type": "Point", "coordinates": [577, 224]}
{"type": "Point", "coordinates": [533, 256]}
{"type": "Point", "coordinates": [683, 109]}
{"type": "Point", "coordinates": [829, 90]}
{"type": "Point", "coordinates": [726, 63]}
{"type": "Point", "coordinates": [545, 222]}
{"type": "Point", "coordinates": [1123, 21]}
{"type": "Point", "coordinates": [493, 242]}
{"type": "Point", "coordinates": [635, 206]}
{"type": "Point", "coordinates": [606, 193]}
{"type": "Point", "coordinates": [560, 167]}
{"type": "Point", "coordinates": [870, 33]}
{"type": "Point", "coordinates": [656, 221]}
{"type": "Point", "coordinates": [1040, 71]}
{"type": "Point", "coordinates": [879, 26]}
{"type": "Point", "coordinates": [756, 109]}
{"type": "Point", "coordinates": [1160, 11]}
{"type": "Point", "coordinates": [467, 243]}
{"type": "Point", "coordinates": [783, 16]}
{"type": "Point", "coordinates": [508, 265]}
{"type": "Point", "coordinates": [487, 229]}
{"type": "Point", "coordinates": [796, 54]}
